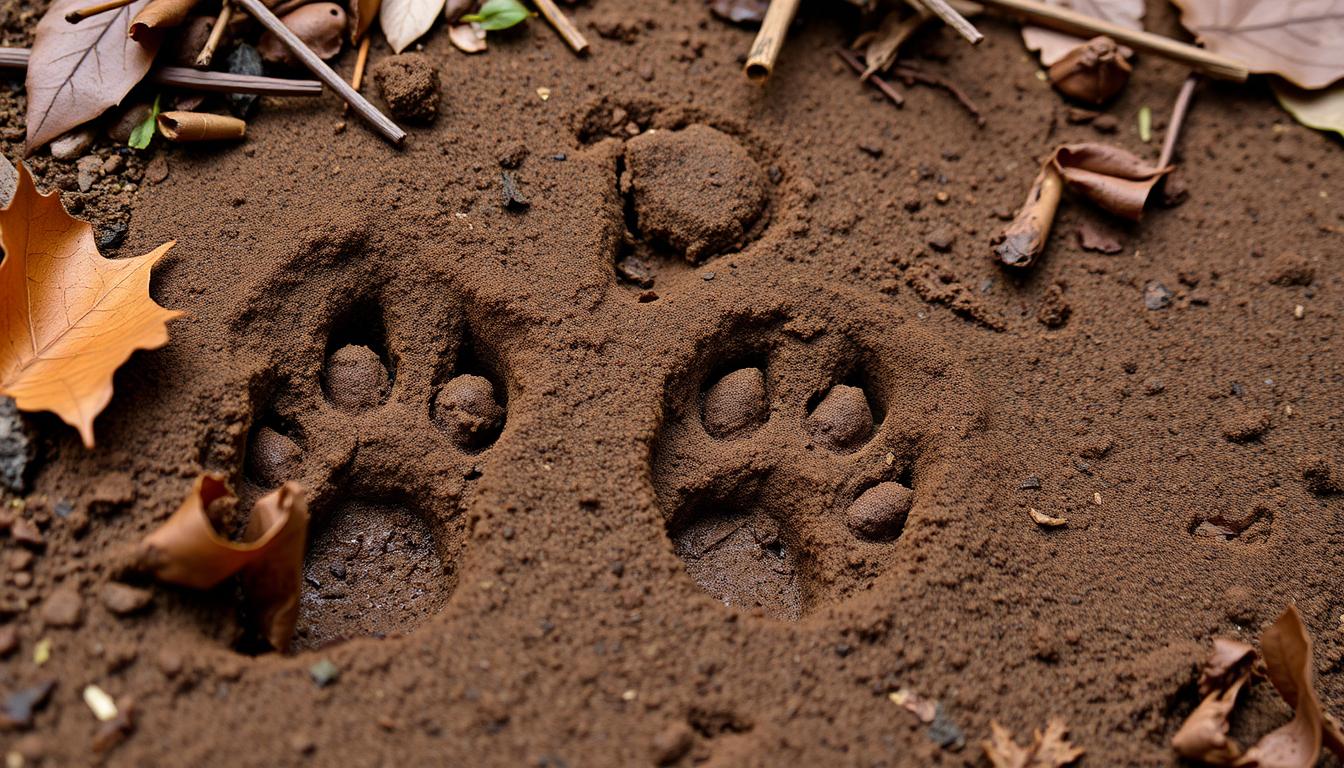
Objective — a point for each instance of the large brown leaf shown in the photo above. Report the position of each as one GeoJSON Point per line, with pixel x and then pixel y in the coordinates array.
{"type": "Point", "coordinates": [1054, 46]}
{"type": "Point", "coordinates": [1302, 40]}
{"type": "Point", "coordinates": [68, 317]}
{"type": "Point", "coordinates": [77, 71]}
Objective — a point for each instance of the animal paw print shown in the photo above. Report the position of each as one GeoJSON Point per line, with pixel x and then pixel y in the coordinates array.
{"type": "Point", "coordinates": [786, 472]}
{"type": "Point", "coordinates": [388, 438]}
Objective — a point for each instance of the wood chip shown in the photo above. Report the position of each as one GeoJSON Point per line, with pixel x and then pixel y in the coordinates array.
{"type": "Point", "coordinates": [1046, 521]}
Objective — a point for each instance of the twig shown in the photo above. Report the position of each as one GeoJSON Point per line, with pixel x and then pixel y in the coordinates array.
{"type": "Point", "coordinates": [1177, 120]}
{"type": "Point", "coordinates": [216, 34]}
{"type": "Point", "coordinates": [955, 20]}
{"type": "Point", "coordinates": [764, 51]}
{"type": "Point", "coordinates": [1065, 20]}
{"type": "Point", "coordinates": [79, 14]}
{"type": "Point", "coordinates": [910, 74]}
{"type": "Point", "coordinates": [563, 25]}
{"type": "Point", "coordinates": [326, 74]}
{"type": "Point", "coordinates": [886, 88]}
{"type": "Point", "coordinates": [357, 79]}
{"type": "Point", "coordinates": [196, 80]}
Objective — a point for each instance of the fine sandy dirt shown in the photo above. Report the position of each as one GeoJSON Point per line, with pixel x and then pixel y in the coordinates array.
{"type": "Point", "coordinates": [727, 434]}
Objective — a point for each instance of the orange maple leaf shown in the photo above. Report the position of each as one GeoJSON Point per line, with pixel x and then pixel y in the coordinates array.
{"type": "Point", "coordinates": [68, 317]}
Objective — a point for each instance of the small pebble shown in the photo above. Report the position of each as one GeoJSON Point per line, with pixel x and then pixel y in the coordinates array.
{"type": "Point", "coordinates": [73, 144]}
{"type": "Point", "coordinates": [63, 608]}
{"type": "Point", "coordinates": [942, 239]}
{"type": "Point", "coordinates": [842, 420]}
{"type": "Point", "coordinates": [356, 377]}
{"type": "Point", "coordinates": [18, 708]}
{"type": "Point", "coordinates": [87, 171]}
{"type": "Point", "coordinates": [123, 599]}
{"type": "Point", "coordinates": [879, 513]}
{"type": "Point", "coordinates": [735, 403]}
{"type": "Point", "coordinates": [1246, 425]}
{"type": "Point", "coordinates": [1156, 296]}
{"type": "Point", "coordinates": [324, 673]}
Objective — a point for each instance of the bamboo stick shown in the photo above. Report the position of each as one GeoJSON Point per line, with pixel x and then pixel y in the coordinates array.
{"type": "Point", "coordinates": [326, 74]}
{"type": "Point", "coordinates": [770, 39]}
{"type": "Point", "coordinates": [563, 25]}
{"type": "Point", "coordinates": [79, 14]}
{"type": "Point", "coordinates": [200, 126]}
{"type": "Point", "coordinates": [953, 19]}
{"type": "Point", "coordinates": [1072, 22]}
{"type": "Point", "coordinates": [196, 80]}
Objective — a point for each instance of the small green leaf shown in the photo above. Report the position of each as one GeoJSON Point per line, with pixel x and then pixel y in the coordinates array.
{"type": "Point", "coordinates": [498, 14]}
{"type": "Point", "coordinates": [143, 133]}
{"type": "Point", "coordinates": [1145, 124]}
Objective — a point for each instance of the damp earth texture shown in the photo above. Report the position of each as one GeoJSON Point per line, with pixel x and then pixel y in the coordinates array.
{"type": "Point", "coordinates": [726, 435]}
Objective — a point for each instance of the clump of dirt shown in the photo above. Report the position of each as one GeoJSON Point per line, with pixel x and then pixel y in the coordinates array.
{"type": "Point", "coordinates": [409, 84]}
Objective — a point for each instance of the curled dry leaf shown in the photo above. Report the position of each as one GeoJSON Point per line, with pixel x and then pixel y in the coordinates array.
{"type": "Point", "coordinates": [881, 46]}
{"type": "Point", "coordinates": [68, 317]}
{"type": "Point", "coordinates": [1025, 237]}
{"type": "Point", "coordinates": [362, 14]}
{"type": "Point", "coordinates": [1297, 39]}
{"type": "Point", "coordinates": [467, 38]}
{"type": "Point", "coordinates": [319, 25]}
{"type": "Point", "coordinates": [200, 126]}
{"type": "Point", "coordinates": [77, 71]}
{"type": "Point", "coordinates": [1093, 72]}
{"type": "Point", "coordinates": [1054, 46]}
{"type": "Point", "coordinates": [189, 551]}
{"type": "Point", "coordinates": [1322, 110]}
{"type": "Point", "coordinates": [1286, 647]}
{"type": "Point", "coordinates": [1046, 521]}
{"type": "Point", "coordinates": [159, 14]}
{"type": "Point", "coordinates": [1047, 750]}
{"type": "Point", "coordinates": [405, 20]}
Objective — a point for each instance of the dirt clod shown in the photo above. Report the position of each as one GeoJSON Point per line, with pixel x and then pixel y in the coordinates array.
{"type": "Point", "coordinates": [672, 743]}
{"type": "Point", "coordinates": [735, 403]}
{"type": "Point", "coordinates": [879, 512]}
{"type": "Point", "coordinates": [409, 83]}
{"type": "Point", "coordinates": [467, 410]}
{"type": "Point", "coordinates": [123, 599]}
{"type": "Point", "coordinates": [356, 377]}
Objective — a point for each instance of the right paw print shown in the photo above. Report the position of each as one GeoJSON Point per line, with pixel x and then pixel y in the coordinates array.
{"type": "Point", "coordinates": [786, 472]}
{"type": "Point", "coordinates": [388, 434]}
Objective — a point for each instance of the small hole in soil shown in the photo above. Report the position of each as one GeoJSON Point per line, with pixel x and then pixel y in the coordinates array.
{"type": "Point", "coordinates": [373, 570]}
{"type": "Point", "coordinates": [359, 370]}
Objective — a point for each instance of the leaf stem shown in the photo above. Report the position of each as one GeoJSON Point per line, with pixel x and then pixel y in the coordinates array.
{"type": "Point", "coordinates": [79, 14]}
{"type": "Point", "coordinates": [1177, 121]}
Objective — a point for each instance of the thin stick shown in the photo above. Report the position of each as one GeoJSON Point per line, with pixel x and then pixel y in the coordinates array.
{"type": "Point", "coordinates": [882, 85]}
{"type": "Point", "coordinates": [1065, 20]}
{"type": "Point", "coordinates": [357, 79]}
{"type": "Point", "coordinates": [79, 14]}
{"type": "Point", "coordinates": [196, 80]}
{"type": "Point", "coordinates": [775, 25]}
{"type": "Point", "coordinates": [216, 34]}
{"type": "Point", "coordinates": [1177, 120]}
{"type": "Point", "coordinates": [955, 20]}
{"type": "Point", "coordinates": [326, 74]}
{"type": "Point", "coordinates": [563, 25]}
{"type": "Point", "coordinates": [910, 74]}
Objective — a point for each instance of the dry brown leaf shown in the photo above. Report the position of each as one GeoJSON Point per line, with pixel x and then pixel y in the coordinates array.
{"type": "Point", "coordinates": [1230, 658]}
{"type": "Point", "coordinates": [1054, 46]}
{"type": "Point", "coordinates": [68, 317]}
{"type": "Point", "coordinates": [1203, 735]}
{"type": "Point", "coordinates": [362, 14]}
{"type": "Point", "coordinates": [159, 14]}
{"type": "Point", "coordinates": [189, 551]}
{"type": "Point", "coordinates": [1115, 179]}
{"type": "Point", "coordinates": [77, 71]}
{"type": "Point", "coordinates": [1298, 39]}
{"type": "Point", "coordinates": [1093, 72]}
{"type": "Point", "coordinates": [467, 38]}
{"type": "Point", "coordinates": [1047, 750]}
{"type": "Point", "coordinates": [405, 20]}
{"type": "Point", "coordinates": [1045, 520]}
{"type": "Point", "coordinates": [1322, 110]}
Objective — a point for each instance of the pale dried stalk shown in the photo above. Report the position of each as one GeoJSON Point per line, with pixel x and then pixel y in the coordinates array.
{"type": "Point", "coordinates": [357, 78]}
{"type": "Point", "coordinates": [216, 34]}
{"type": "Point", "coordinates": [943, 10]}
{"type": "Point", "coordinates": [1177, 120]}
{"type": "Point", "coordinates": [563, 25]}
{"type": "Point", "coordinates": [196, 80]}
{"type": "Point", "coordinates": [770, 39]}
{"type": "Point", "coordinates": [200, 126]}
{"type": "Point", "coordinates": [1065, 20]}
{"type": "Point", "coordinates": [79, 14]}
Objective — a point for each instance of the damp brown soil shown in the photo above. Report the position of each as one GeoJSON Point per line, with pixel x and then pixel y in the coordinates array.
{"type": "Point", "coordinates": [559, 520]}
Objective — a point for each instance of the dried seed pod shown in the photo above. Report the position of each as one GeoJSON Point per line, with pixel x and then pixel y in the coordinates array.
{"type": "Point", "coordinates": [1094, 71]}
{"type": "Point", "coordinates": [200, 126]}
{"type": "Point", "coordinates": [1024, 239]}
{"type": "Point", "coordinates": [319, 25]}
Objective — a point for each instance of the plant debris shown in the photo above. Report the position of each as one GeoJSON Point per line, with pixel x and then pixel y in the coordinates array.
{"type": "Point", "coordinates": [1054, 46]}
{"type": "Point", "coordinates": [739, 11]}
{"type": "Point", "coordinates": [1093, 72]}
{"type": "Point", "coordinates": [143, 133]}
{"type": "Point", "coordinates": [925, 709]}
{"type": "Point", "coordinates": [1286, 647]}
{"type": "Point", "coordinates": [189, 551]}
{"type": "Point", "coordinates": [496, 15]}
{"type": "Point", "coordinates": [1047, 750]}
{"type": "Point", "coordinates": [84, 314]}
{"type": "Point", "coordinates": [404, 21]}
{"type": "Point", "coordinates": [1046, 521]}
{"type": "Point", "coordinates": [200, 126]}
{"type": "Point", "coordinates": [1297, 41]}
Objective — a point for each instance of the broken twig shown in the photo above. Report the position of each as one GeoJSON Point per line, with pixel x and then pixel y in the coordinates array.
{"type": "Point", "coordinates": [563, 25]}
{"type": "Point", "coordinates": [770, 39]}
{"type": "Point", "coordinates": [79, 14]}
{"type": "Point", "coordinates": [1178, 113]}
{"type": "Point", "coordinates": [910, 74]}
{"type": "Point", "coordinates": [390, 130]}
{"type": "Point", "coordinates": [951, 18]}
{"type": "Point", "coordinates": [196, 80]}
{"type": "Point", "coordinates": [886, 88]}
{"type": "Point", "coordinates": [1065, 20]}
{"type": "Point", "coordinates": [216, 34]}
